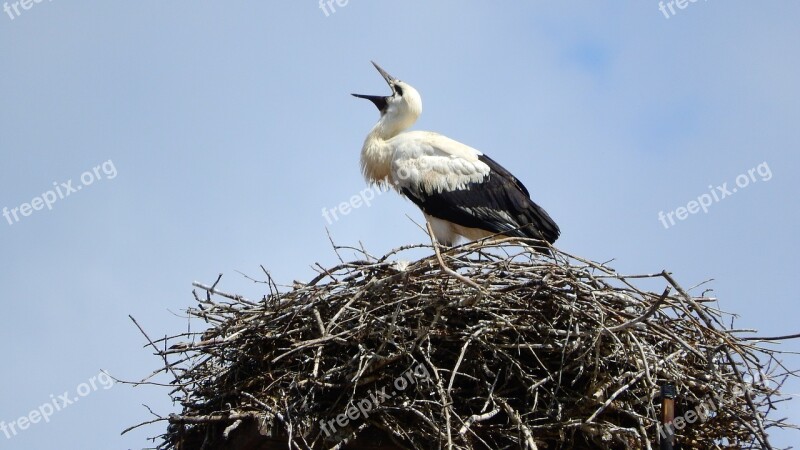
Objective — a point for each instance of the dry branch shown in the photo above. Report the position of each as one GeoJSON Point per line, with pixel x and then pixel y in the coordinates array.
{"type": "Point", "coordinates": [560, 352]}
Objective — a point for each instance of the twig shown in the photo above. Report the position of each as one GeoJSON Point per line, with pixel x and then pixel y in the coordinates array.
{"type": "Point", "coordinates": [444, 266]}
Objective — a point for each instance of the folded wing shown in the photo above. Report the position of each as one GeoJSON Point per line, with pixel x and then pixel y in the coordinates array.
{"type": "Point", "coordinates": [453, 182]}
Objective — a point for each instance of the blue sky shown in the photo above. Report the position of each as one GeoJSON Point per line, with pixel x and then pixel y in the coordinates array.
{"type": "Point", "coordinates": [230, 127]}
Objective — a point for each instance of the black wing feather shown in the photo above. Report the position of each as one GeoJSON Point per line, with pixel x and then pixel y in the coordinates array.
{"type": "Point", "coordinates": [488, 205]}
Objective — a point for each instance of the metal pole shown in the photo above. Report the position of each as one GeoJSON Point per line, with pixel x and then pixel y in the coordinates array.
{"type": "Point", "coordinates": [667, 432]}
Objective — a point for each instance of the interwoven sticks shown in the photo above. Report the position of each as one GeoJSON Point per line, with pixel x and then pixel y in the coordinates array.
{"type": "Point", "coordinates": [551, 352]}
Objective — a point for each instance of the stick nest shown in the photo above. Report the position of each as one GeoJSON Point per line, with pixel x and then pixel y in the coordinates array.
{"type": "Point", "coordinates": [552, 352]}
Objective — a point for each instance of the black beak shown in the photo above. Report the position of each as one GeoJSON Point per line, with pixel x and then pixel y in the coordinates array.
{"type": "Point", "coordinates": [389, 79]}
{"type": "Point", "coordinates": [379, 101]}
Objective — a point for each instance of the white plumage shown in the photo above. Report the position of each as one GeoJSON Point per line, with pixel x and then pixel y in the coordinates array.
{"type": "Point", "coordinates": [434, 162]}
{"type": "Point", "coordinates": [461, 191]}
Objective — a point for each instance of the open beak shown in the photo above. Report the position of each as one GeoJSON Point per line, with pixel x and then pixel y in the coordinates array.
{"type": "Point", "coordinates": [389, 79]}
{"type": "Point", "coordinates": [379, 100]}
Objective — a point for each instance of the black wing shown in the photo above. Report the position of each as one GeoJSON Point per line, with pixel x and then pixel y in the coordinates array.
{"type": "Point", "coordinates": [499, 204]}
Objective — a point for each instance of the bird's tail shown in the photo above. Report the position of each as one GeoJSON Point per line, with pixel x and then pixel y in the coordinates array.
{"type": "Point", "coordinates": [535, 223]}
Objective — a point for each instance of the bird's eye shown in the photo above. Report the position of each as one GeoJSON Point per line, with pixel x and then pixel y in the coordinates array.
{"type": "Point", "coordinates": [398, 89]}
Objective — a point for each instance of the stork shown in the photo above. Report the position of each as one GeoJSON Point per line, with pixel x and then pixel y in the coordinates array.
{"type": "Point", "coordinates": [461, 191]}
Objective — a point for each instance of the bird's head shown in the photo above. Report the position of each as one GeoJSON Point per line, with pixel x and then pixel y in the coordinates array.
{"type": "Point", "coordinates": [399, 110]}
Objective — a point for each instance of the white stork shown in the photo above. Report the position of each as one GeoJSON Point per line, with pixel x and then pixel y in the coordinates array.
{"type": "Point", "coordinates": [461, 191]}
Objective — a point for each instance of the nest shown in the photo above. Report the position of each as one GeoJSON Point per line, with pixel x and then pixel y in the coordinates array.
{"type": "Point", "coordinates": [505, 349]}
